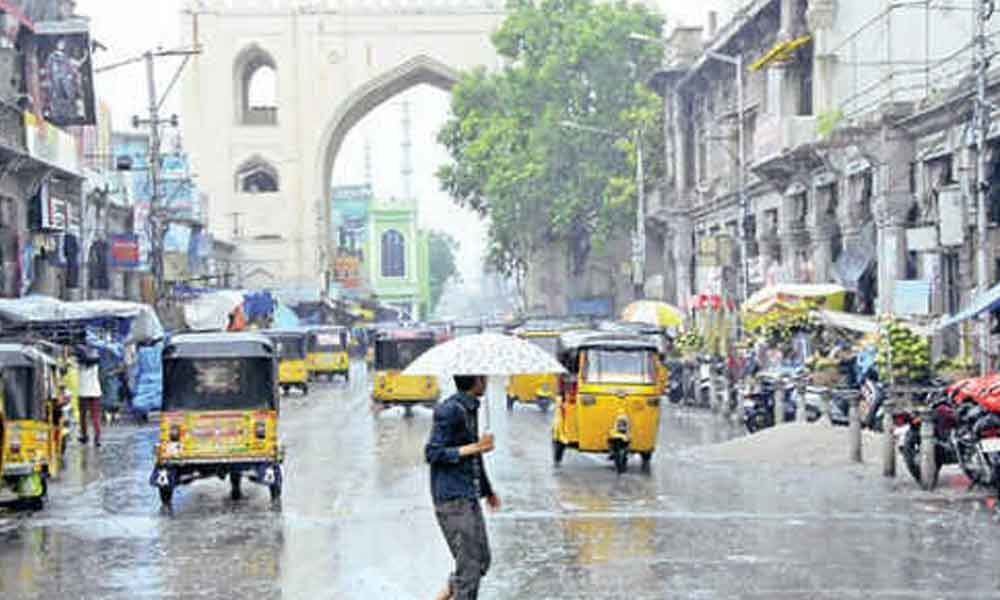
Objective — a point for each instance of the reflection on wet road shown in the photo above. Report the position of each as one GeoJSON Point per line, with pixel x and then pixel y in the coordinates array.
{"type": "Point", "coordinates": [356, 522]}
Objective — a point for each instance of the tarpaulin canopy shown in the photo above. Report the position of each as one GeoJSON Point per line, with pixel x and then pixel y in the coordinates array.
{"type": "Point", "coordinates": [210, 312]}
{"type": "Point", "coordinates": [864, 324]}
{"type": "Point", "coordinates": [829, 294]}
{"type": "Point", "coordinates": [144, 324]}
{"type": "Point", "coordinates": [988, 301]}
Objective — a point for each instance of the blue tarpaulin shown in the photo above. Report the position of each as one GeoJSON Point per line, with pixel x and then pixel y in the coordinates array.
{"type": "Point", "coordinates": [149, 379]}
{"type": "Point", "coordinates": [987, 302]}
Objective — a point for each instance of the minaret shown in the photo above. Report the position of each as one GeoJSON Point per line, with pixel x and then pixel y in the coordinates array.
{"type": "Point", "coordinates": [406, 154]}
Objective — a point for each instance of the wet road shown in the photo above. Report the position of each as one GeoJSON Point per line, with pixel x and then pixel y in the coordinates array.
{"type": "Point", "coordinates": [356, 522]}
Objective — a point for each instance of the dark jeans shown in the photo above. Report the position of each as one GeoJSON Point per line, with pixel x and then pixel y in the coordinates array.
{"type": "Point", "coordinates": [464, 529]}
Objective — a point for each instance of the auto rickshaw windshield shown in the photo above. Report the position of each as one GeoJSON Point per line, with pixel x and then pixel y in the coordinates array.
{"type": "Point", "coordinates": [398, 354]}
{"type": "Point", "coordinates": [326, 342]}
{"type": "Point", "coordinates": [290, 347]}
{"type": "Point", "coordinates": [18, 395]}
{"type": "Point", "coordinates": [602, 365]}
{"type": "Point", "coordinates": [218, 384]}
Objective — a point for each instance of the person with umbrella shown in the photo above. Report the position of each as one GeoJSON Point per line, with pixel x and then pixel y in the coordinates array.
{"type": "Point", "coordinates": [455, 449]}
{"type": "Point", "coordinates": [459, 482]}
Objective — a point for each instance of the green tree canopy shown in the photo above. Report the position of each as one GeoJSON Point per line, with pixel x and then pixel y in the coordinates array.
{"type": "Point", "coordinates": [516, 161]}
{"type": "Point", "coordinates": [441, 252]}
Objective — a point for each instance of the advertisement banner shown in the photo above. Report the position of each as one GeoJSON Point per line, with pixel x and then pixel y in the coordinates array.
{"type": "Point", "coordinates": [349, 214]}
{"type": "Point", "coordinates": [347, 270]}
{"type": "Point", "coordinates": [124, 251]}
{"type": "Point", "coordinates": [65, 72]}
{"type": "Point", "coordinates": [50, 144]}
{"type": "Point", "coordinates": [51, 210]}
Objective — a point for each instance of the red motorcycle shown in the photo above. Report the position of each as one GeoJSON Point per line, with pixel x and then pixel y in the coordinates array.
{"type": "Point", "coordinates": [978, 402]}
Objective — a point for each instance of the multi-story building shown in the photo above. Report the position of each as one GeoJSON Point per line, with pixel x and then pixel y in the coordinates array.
{"type": "Point", "coordinates": [858, 154]}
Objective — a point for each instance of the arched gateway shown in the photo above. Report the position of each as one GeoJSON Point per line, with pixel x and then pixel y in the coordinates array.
{"type": "Point", "coordinates": [332, 62]}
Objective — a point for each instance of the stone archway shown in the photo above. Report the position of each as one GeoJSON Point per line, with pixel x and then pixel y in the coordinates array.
{"type": "Point", "coordinates": [363, 100]}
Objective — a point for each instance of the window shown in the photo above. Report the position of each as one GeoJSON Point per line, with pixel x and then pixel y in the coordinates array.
{"type": "Point", "coordinates": [619, 366]}
{"type": "Point", "coordinates": [256, 176]}
{"type": "Point", "coordinates": [393, 254]}
{"type": "Point", "coordinates": [806, 81]}
{"type": "Point", "coordinates": [256, 87]}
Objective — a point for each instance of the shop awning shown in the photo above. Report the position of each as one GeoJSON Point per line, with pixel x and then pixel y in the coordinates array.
{"type": "Point", "coordinates": [780, 52]}
{"type": "Point", "coordinates": [986, 302]}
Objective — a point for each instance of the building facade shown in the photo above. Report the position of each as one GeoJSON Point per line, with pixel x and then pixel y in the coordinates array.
{"type": "Point", "coordinates": [398, 265]}
{"type": "Point", "coordinates": [858, 161]}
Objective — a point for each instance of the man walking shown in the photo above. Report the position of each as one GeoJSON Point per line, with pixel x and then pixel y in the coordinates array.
{"type": "Point", "coordinates": [458, 483]}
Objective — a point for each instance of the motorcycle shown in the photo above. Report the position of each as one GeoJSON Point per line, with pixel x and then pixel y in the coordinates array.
{"type": "Point", "coordinates": [759, 399]}
{"type": "Point", "coordinates": [979, 443]}
{"type": "Point", "coordinates": [953, 426]}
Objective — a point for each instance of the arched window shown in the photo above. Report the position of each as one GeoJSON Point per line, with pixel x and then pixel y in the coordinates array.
{"type": "Point", "coordinates": [256, 80]}
{"type": "Point", "coordinates": [393, 254]}
{"type": "Point", "coordinates": [257, 176]}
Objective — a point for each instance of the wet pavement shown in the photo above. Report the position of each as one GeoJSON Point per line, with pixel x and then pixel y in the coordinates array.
{"type": "Point", "coordinates": [356, 522]}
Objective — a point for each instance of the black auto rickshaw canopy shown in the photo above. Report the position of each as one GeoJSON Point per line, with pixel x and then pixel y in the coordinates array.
{"type": "Point", "coordinates": [395, 349]}
{"type": "Point", "coordinates": [23, 370]}
{"type": "Point", "coordinates": [289, 344]}
{"type": "Point", "coordinates": [219, 371]}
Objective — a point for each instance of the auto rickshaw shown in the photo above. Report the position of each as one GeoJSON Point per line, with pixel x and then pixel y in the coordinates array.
{"type": "Point", "coordinates": [395, 349]}
{"type": "Point", "coordinates": [537, 389]}
{"type": "Point", "coordinates": [610, 398]}
{"type": "Point", "coordinates": [32, 427]}
{"type": "Point", "coordinates": [220, 413]}
{"type": "Point", "coordinates": [290, 346]}
{"type": "Point", "coordinates": [327, 353]}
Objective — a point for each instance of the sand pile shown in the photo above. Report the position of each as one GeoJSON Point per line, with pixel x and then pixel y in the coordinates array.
{"type": "Point", "coordinates": [806, 444]}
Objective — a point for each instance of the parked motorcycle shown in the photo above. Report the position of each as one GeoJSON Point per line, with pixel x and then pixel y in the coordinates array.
{"type": "Point", "coordinates": [950, 427]}
{"type": "Point", "coordinates": [759, 396]}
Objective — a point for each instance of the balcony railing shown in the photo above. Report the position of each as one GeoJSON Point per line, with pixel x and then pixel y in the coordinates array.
{"type": "Point", "coordinates": [11, 127]}
{"type": "Point", "coordinates": [261, 115]}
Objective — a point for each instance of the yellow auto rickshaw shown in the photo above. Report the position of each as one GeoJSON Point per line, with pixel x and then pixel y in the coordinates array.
{"type": "Point", "coordinates": [537, 389]}
{"type": "Point", "coordinates": [291, 347]}
{"type": "Point", "coordinates": [32, 426]}
{"type": "Point", "coordinates": [327, 353]}
{"type": "Point", "coordinates": [395, 349]}
{"type": "Point", "coordinates": [609, 398]}
{"type": "Point", "coordinates": [220, 413]}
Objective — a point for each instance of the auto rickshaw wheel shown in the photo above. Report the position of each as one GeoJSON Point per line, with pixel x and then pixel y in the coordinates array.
{"type": "Point", "coordinates": [647, 457]}
{"type": "Point", "coordinates": [166, 494]}
{"type": "Point", "coordinates": [275, 489]}
{"type": "Point", "coordinates": [284, 390]}
{"type": "Point", "coordinates": [408, 411]}
{"type": "Point", "coordinates": [543, 404]}
{"type": "Point", "coordinates": [305, 389]}
{"type": "Point", "coordinates": [558, 449]}
{"type": "Point", "coordinates": [235, 492]}
{"type": "Point", "coordinates": [510, 403]}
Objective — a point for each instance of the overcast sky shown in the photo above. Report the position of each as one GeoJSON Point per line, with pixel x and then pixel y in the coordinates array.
{"type": "Point", "coordinates": [130, 27]}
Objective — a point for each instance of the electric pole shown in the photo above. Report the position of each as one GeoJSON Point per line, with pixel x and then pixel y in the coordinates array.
{"type": "Point", "coordinates": [981, 116]}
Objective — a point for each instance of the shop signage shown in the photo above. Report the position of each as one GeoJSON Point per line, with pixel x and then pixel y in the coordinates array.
{"type": "Point", "coordinates": [124, 251]}
{"type": "Point", "coordinates": [51, 210]}
{"type": "Point", "coordinates": [65, 73]}
{"type": "Point", "coordinates": [175, 266]}
{"type": "Point", "coordinates": [49, 144]}
{"type": "Point", "coordinates": [347, 270]}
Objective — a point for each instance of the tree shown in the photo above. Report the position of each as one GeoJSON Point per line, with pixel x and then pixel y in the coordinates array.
{"type": "Point", "coordinates": [515, 160]}
{"type": "Point", "coordinates": [441, 252]}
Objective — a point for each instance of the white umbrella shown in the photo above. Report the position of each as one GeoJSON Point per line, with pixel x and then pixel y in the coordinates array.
{"type": "Point", "coordinates": [484, 354]}
{"type": "Point", "coordinates": [489, 354]}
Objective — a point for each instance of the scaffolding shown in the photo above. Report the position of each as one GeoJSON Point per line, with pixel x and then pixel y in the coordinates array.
{"type": "Point", "coordinates": [908, 51]}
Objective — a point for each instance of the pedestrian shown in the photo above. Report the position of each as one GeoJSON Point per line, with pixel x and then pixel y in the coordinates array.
{"type": "Point", "coordinates": [90, 394]}
{"type": "Point", "coordinates": [459, 482]}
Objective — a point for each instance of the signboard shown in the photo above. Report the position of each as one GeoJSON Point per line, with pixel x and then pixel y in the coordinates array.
{"type": "Point", "coordinates": [124, 251]}
{"type": "Point", "coordinates": [952, 214]}
{"type": "Point", "coordinates": [347, 270]}
{"type": "Point", "coordinates": [49, 144]}
{"type": "Point", "coordinates": [349, 214]}
{"type": "Point", "coordinates": [51, 210]}
{"type": "Point", "coordinates": [65, 72]}
{"type": "Point", "coordinates": [911, 297]}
